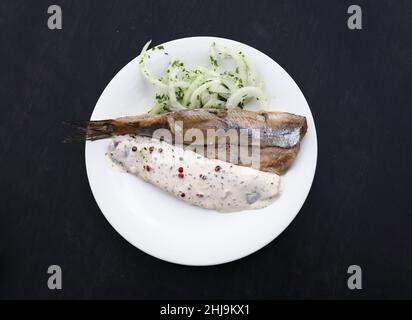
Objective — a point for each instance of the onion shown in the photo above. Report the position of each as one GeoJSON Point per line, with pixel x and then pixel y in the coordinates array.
{"type": "Point", "coordinates": [202, 87]}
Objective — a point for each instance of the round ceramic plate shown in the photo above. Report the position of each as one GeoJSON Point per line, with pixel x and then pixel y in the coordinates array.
{"type": "Point", "coordinates": [164, 226]}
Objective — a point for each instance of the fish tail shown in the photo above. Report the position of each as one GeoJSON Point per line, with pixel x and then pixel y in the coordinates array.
{"type": "Point", "coordinates": [100, 129]}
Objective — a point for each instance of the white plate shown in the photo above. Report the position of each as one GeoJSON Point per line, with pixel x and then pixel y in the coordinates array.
{"type": "Point", "coordinates": [166, 227]}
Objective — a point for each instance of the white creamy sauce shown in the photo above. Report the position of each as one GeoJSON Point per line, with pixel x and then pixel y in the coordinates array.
{"type": "Point", "coordinates": [207, 183]}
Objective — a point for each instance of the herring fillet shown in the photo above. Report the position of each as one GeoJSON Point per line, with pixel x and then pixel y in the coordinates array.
{"type": "Point", "coordinates": [280, 133]}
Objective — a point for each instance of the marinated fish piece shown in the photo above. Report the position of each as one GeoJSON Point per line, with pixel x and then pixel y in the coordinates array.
{"type": "Point", "coordinates": [203, 182]}
{"type": "Point", "coordinates": [272, 129]}
{"type": "Point", "coordinates": [278, 133]}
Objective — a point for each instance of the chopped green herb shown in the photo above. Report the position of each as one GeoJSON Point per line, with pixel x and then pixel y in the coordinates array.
{"type": "Point", "coordinates": [213, 61]}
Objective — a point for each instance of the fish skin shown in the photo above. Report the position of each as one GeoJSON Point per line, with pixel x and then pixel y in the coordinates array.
{"type": "Point", "coordinates": [278, 129]}
{"type": "Point", "coordinates": [279, 133]}
{"type": "Point", "coordinates": [274, 129]}
{"type": "Point", "coordinates": [277, 160]}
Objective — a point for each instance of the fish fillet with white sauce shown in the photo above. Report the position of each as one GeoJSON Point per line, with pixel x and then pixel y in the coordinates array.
{"type": "Point", "coordinates": [200, 181]}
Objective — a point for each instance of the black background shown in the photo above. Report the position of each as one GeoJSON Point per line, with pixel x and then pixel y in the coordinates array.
{"type": "Point", "coordinates": [357, 83]}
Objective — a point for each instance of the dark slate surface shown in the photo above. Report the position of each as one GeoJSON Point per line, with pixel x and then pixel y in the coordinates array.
{"type": "Point", "coordinates": [358, 85]}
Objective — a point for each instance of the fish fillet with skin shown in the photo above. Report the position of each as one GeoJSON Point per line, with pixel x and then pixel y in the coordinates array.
{"type": "Point", "coordinates": [279, 133]}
